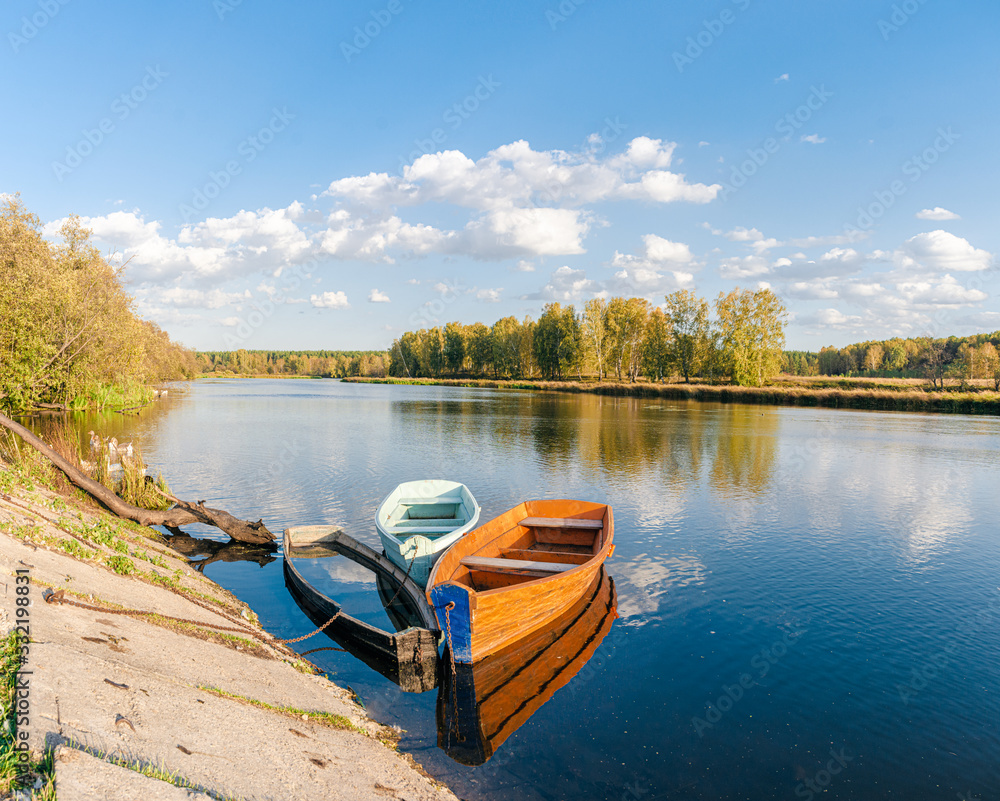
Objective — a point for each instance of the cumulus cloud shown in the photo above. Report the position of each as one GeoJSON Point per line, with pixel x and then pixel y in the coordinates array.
{"type": "Point", "coordinates": [941, 251]}
{"type": "Point", "coordinates": [524, 266]}
{"type": "Point", "coordinates": [330, 300]}
{"type": "Point", "coordinates": [937, 213]}
{"type": "Point", "coordinates": [566, 285]}
{"type": "Point", "coordinates": [814, 139]}
{"type": "Point", "coordinates": [375, 296]}
{"type": "Point", "coordinates": [215, 249]}
{"type": "Point", "coordinates": [741, 267]}
{"type": "Point", "coordinates": [515, 176]}
{"type": "Point", "coordinates": [489, 295]}
{"type": "Point", "coordinates": [193, 298]}
{"type": "Point", "coordinates": [741, 234]}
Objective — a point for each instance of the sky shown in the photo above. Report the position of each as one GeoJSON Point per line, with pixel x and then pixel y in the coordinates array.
{"type": "Point", "coordinates": [328, 175]}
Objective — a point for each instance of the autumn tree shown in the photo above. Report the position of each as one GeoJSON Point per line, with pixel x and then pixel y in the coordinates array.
{"type": "Point", "coordinates": [687, 321]}
{"type": "Point", "coordinates": [595, 331]}
{"type": "Point", "coordinates": [656, 361]}
{"type": "Point", "coordinates": [479, 346]}
{"type": "Point", "coordinates": [557, 340]}
{"type": "Point", "coordinates": [454, 347]}
{"type": "Point", "coordinates": [752, 331]}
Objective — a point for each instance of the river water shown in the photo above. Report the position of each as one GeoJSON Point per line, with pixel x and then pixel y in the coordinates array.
{"type": "Point", "coordinates": [808, 599]}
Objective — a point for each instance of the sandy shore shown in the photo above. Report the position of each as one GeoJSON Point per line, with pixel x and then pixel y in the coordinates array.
{"type": "Point", "coordinates": [231, 714]}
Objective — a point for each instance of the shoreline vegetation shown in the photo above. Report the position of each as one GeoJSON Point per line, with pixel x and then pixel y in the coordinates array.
{"type": "Point", "coordinates": [70, 338]}
{"type": "Point", "coordinates": [879, 395]}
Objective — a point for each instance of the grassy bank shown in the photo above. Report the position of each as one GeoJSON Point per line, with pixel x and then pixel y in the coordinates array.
{"type": "Point", "coordinates": [885, 395]}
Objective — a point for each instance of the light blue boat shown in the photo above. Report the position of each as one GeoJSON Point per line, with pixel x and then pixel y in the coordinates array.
{"type": "Point", "coordinates": [420, 520]}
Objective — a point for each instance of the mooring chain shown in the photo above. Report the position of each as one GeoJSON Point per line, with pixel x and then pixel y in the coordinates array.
{"type": "Point", "coordinates": [454, 675]}
{"type": "Point", "coordinates": [59, 597]}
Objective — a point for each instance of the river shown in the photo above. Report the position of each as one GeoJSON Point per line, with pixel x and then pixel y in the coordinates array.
{"type": "Point", "coordinates": [808, 598]}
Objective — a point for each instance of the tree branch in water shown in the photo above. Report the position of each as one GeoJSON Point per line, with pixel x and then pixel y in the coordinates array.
{"type": "Point", "coordinates": [183, 513]}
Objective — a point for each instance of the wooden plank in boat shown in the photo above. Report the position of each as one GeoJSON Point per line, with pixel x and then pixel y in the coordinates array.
{"type": "Point", "coordinates": [533, 555]}
{"type": "Point", "coordinates": [515, 565]}
{"type": "Point", "coordinates": [406, 530]}
{"type": "Point", "coordinates": [561, 522]}
{"type": "Point", "coordinates": [417, 501]}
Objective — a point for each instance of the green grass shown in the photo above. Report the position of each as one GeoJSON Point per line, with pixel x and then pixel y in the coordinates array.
{"type": "Point", "coordinates": [827, 394]}
{"type": "Point", "coordinates": [323, 718]}
{"type": "Point", "coordinates": [10, 664]}
{"type": "Point", "coordinates": [153, 771]}
{"type": "Point", "coordinates": [122, 565]}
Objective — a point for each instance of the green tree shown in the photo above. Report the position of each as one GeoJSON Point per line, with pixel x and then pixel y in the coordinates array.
{"type": "Point", "coordinates": [626, 323]}
{"type": "Point", "coordinates": [595, 331]}
{"type": "Point", "coordinates": [480, 347]}
{"type": "Point", "coordinates": [687, 320]}
{"type": "Point", "coordinates": [454, 347]}
{"type": "Point", "coordinates": [656, 361]}
{"type": "Point", "coordinates": [752, 333]}
{"type": "Point", "coordinates": [557, 340]}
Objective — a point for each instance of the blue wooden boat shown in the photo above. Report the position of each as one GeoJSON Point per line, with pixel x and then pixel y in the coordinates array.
{"type": "Point", "coordinates": [419, 520]}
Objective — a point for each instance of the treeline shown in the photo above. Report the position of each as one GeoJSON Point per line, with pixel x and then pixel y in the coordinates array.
{"type": "Point", "coordinates": [69, 335]}
{"type": "Point", "coordinates": [960, 358]}
{"type": "Point", "coordinates": [626, 337]}
{"type": "Point", "coordinates": [312, 363]}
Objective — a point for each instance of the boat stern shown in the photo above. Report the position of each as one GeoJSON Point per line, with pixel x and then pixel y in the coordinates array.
{"type": "Point", "coordinates": [454, 606]}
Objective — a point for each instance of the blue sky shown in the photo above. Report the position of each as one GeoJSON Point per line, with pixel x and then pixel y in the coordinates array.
{"type": "Point", "coordinates": [328, 175]}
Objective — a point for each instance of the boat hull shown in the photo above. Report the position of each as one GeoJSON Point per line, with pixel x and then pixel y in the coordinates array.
{"type": "Point", "coordinates": [481, 613]}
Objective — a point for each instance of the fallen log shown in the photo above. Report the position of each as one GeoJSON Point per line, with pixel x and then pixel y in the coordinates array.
{"type": "Point", "coordinates": [183, 513]}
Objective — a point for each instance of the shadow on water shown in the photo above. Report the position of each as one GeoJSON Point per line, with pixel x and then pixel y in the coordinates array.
{"type": "Point", "coordinates": [194, 548]}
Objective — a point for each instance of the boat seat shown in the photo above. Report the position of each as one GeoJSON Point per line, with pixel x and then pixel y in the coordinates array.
{"type": "Point", "coordinates": [442, 499]}
{"type": "Point", "coordinates": [561, 522]}
{"type": "Point", "coordinates": [407, 530]}
{"type": "Point", "coordinates": [515, 566]}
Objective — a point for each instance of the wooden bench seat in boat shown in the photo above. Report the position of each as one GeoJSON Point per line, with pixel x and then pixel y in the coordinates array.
{"type": "Point", "coordinates": [560, 522]}
{"type": "Point", "coordinates": [408, 530]}
{"type": "Point", "coordinates": [520, 566]}
{"type": "Point", "coordinates": [417, 501]}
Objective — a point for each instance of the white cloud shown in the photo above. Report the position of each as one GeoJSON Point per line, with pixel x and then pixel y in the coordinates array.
{"type": "Point", "coordinates": [515, 176]}
{"type": "Point", "coordinates": [741, 234]}
{"type": "Point", "coordinates": [489, 295]}
{"type": "Point", "coordinates": [941, 251]}
{"type": "Point", "coordinates": [782, 77]}
{"type": "Point", "coordinates": [330, 300]}
{"type": "Point", "coordinates": [740, 267]}
{"type": "Point", "coordinates": [656, 252]}
{"type": "Point", "coordinates": [946, 293]}
{"type": "Point", "coordinates": [524, 266]}
{"type": "Point", "coordinates": [937, 213]}
{"type": "Point", "coordinates": [192, 298]}
{"type": "Point", "coordinates": [815, 139]}
{"type": "Point", "coordinates": [566, 285]}
{"type": "Point", "coordinates": [836, 319]}
{"type": "Point", "coordinates": [809, 290]}
{"type": "Point", "coordinates": [375, 296]}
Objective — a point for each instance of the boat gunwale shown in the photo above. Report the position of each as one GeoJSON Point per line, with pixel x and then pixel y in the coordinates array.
{"type": "Point", "coordinates": [362, 554]}
{"type": "Point", "coordinates": [600, 556]}
{"type": "Point", "coordinates": [469, 503]}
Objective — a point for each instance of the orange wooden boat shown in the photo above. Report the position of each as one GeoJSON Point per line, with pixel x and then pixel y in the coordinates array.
{"type": "Point", "coordinates": [518, 572]}
{"type": "Point", "coordinates": [479, 706]}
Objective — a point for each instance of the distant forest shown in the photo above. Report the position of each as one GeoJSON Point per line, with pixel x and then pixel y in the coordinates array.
{"type": "Point", "coordinates": [305, 363]}
{"type": "Point", "coordinates": [954, 358]}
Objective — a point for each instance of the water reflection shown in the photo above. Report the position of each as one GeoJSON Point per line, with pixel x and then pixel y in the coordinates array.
{"type": "Point", "coordinates": [480, 705]}
{"type": "Point", "coordinates": [213, 551]}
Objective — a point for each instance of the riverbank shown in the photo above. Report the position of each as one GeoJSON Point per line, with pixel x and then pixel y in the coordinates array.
{"type": "Point", "coordinates": [135, 706]}
{"type": "Point", "coordinates": [832, 393]}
